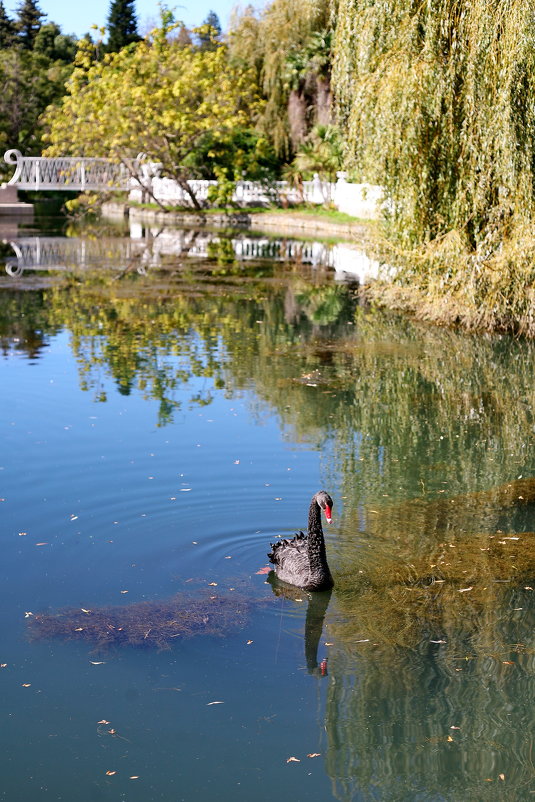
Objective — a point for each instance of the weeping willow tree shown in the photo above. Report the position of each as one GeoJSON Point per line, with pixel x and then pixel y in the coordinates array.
{"type": "Point", "coordinates": [289, 44]}
{"type": "Point", "coordinates": [437, 99]}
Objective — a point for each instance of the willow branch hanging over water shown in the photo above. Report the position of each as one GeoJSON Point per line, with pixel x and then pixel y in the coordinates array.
{"type": "Point", "coordinates": [437, 101]}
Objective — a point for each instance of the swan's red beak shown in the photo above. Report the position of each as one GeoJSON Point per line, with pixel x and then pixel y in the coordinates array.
{"type": "Point", "coordinates": [328, 514]}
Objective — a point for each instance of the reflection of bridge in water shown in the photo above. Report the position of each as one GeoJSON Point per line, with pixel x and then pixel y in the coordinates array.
{"type": "Point", "coordinates": [144, 252]}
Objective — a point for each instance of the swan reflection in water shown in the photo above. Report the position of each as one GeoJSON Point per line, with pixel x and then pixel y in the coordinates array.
{"type": "Point", "coordinates": [318, 603]}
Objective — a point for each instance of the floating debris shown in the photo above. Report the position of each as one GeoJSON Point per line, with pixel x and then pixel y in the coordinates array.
{"type": "Point", "coordinates": [154, 624]}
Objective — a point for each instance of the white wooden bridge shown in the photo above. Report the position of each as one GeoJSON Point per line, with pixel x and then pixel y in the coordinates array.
{"type": "Point", "coordinates": [75, 174]}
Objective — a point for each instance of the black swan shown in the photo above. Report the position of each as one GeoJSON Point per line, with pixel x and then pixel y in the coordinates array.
{"type": "Point", "coordinates": [302, 561]}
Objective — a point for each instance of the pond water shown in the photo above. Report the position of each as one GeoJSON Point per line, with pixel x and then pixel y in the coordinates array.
{"type": "Point", "coordinates": [161, 427]}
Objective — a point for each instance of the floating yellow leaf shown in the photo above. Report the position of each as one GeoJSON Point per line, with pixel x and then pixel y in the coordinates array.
{"type": "Point", "coordinates": [111, 773]}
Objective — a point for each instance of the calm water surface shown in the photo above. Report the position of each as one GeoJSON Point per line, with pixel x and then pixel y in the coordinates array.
{"type": "Point", "coordinates": [160, 428]}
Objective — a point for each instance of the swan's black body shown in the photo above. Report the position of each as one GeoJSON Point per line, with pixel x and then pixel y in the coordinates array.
{"type": "Point", "coordinates": [302, 561]}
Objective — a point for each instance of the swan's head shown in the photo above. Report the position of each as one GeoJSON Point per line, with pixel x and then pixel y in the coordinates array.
{"type": "Point", "coordinates": [326, 504]}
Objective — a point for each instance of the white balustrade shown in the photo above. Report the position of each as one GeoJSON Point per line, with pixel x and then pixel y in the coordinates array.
{"type": "Point", "coordinates": [142, 179]}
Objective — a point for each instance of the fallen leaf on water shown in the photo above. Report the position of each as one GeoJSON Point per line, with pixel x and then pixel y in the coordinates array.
{"type": "Point", "coordinates": [314, 754]}
{"type": "Point", "coordinates": [97, 662]}
{"type": "Point", "coordinates": [293, 760]}
{"type": "Point", "coordinates": [111, 773]}
{"type": "Point", "coordinates": [26, 684]}
{"type": "Point", "coordinates": [213, 584]}
{"type": "Point", "coordinates": [449, 738]}
{"type": "Point", "coordinates": [103, 721]}
{"type": "Point", "coordinates": [214, 703]}
{"type": "Point", "coordinates": [265, 570]}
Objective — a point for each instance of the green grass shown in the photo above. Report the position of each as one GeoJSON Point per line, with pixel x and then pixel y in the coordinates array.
{"type": "Point", "coordinates": [330, 215]}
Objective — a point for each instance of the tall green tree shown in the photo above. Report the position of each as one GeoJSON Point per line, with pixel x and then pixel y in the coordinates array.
{"type": "Point", "coordinates": [122, 25]}
{"type": "Point", "coordinates": [8, 30]}
{"type": "Point", "coordinates": [54, 45]}
{"type": "Point", "coordinates": [210, 32]}
{"type": "Point", "coordinates": [28, 22]}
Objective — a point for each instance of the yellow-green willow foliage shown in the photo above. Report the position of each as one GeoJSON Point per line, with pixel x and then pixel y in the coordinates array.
{"type": "Point", "coordinates": [437, 97]}
{"type": "Point", "coordinates": [437, 102]}
{"type": "Point", "coordinates": [269, 40]}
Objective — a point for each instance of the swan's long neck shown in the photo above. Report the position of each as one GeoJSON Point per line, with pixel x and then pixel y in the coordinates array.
{"type": "Point", "coordinates": [317, 556]}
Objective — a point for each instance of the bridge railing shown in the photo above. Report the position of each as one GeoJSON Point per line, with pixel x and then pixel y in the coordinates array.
{"type": "Point", "coordinates": [67, 172]}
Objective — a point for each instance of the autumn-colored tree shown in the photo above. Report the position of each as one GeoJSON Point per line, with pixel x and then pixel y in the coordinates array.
{"type": "Point", "coordinates": [156, 96]}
